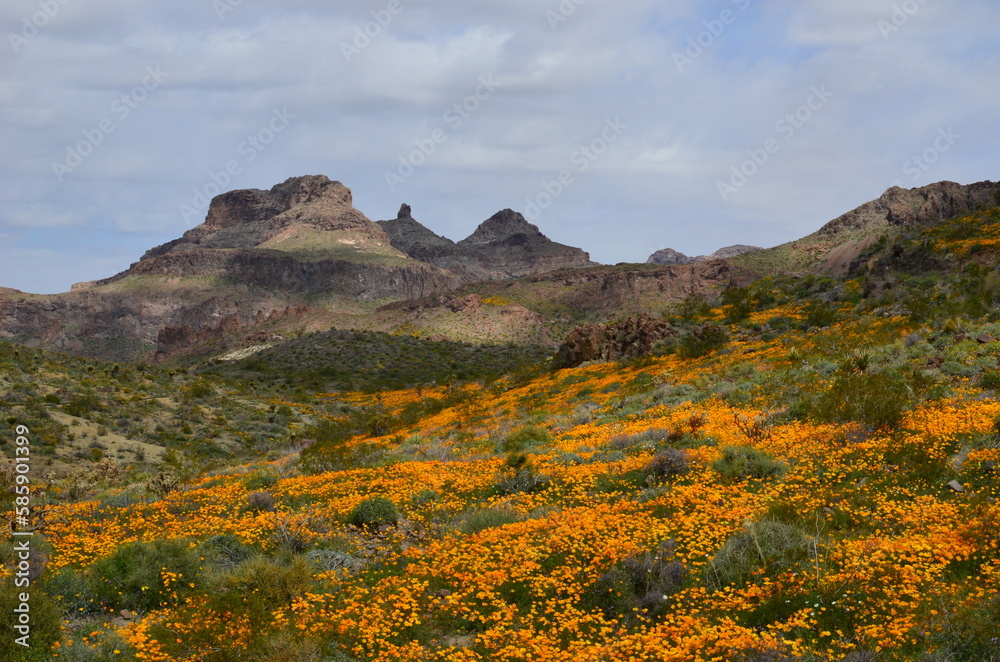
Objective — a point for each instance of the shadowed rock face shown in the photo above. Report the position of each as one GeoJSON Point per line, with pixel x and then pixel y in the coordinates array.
{"type": "Point", "coordinates": [625, 339]}
{"type": "Point", "coordinates": [504, 246]}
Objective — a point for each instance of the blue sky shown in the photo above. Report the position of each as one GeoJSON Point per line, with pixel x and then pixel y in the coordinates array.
{"type": "Point", "coordinates": [461, 109]}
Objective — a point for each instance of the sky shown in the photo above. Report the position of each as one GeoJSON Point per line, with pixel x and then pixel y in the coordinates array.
{"type": "Point", "coordinates": [619, 127]}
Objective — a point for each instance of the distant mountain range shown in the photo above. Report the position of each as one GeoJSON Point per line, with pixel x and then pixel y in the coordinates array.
{"type": "Point", "coordinates": [266, 265]}
{"type": "Point", "coordinates": [670, 256]}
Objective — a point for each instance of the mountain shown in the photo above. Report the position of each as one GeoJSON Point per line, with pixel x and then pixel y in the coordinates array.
{"type": "Point", "coordinates": [259, 257]}
{"type": "Point", "coordinates": [831, 249]}
{"type": "Point", "coordinates": [670, 256]}
{"type": "Point", "coordinates": [504, 246]}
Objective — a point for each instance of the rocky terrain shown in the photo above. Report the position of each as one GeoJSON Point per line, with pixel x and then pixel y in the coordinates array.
{"type": "Point", "coordinates": [504, 246]}
{"type": "Point", "coordinates": [831, 249]}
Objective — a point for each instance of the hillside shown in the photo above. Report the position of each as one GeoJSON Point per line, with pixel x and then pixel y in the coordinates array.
{"type": "Point", "coordinates": [832, 248]}
{"type": "Point", "coordinates": [800, 469]}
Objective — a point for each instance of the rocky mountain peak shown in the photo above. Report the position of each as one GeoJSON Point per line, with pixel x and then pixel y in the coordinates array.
{"type": "Point", "coordinates": [669, 256]}
{"type": "Point", "coordinates": [252, 205]}
{"type": "Point", "coordinates": [505, 226]}
{"type": "Point", "coordinates": [404, 211]}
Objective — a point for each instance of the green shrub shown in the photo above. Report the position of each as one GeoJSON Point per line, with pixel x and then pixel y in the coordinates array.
{"type": "Point", "coordinates": [263, 583]}
{"type": "Point", "coordinates": [522, 476]}
{"type": "Point", "coordinates": [258, 502]}
{"type": "Point", "coordinates": [878, 400]}
{"type": "Point", "coordinates": [702, 340]}
{"type": "Point", "coordinates": [640, 586]}
{"type": "Point", "coordinates": [669, 463]}
{"type": "Point", "coordinates": [743, 462]}
{"type": "Point", "coordinates": [374, 511]}
{"type": "Point", "coordinates": [489, 518]}
{"type": "Point", "coordinates": [969, 633]}
{"type": "Point", "coordinates": [990, 380]}
{"type": "Point", "coordinates": [131, 577]}
{"type": "Point", "coordinates": [46, 620]}
{"type": "Point", "coordinates": [224, 551]}
{"type": "Point", "coordinates": [82, 404]}
{"type": "Point", "coordinates": [526, 437]}
{"type": "Point", "coordinates": [766, 545]}
{"type": "Point", "coordinates": [260, 480]}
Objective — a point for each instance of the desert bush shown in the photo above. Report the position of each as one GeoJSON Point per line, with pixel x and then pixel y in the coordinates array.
{"type": "Point", "coordinates": [224, 551]}
{"type": "Point", "coordinates": [82, 404]}
{"type": "Point", "coordinates": [702, 340]}
{"type": "Point", "coordinates": [488, 518]}
{"type": "Point", "coordinates": [330, 560]}
{"type": "Point", "coordinates": [743, 462]}
{"type": "Point", "coordinates": [521, 475]}
{"type": "Point", "coordinates": [970, 633]}
{"type": "Point", "coordinates": [259, 502]}
{"type": "Point", "coordinates": [526, 437]}
{"type": "Point", "coordinates": [374, 511]}
{"type": "Point", "coordinates": [46, 622]}
{"type": "Point", "coordinates": [73, 591]}
{"type": "Point", "coordinates": [260, 480]}
{"type": "Point", "coordinates": [877, 399]}
{"type": "Point", "coordinates": [131, 577]}
{"type": "Point", "coordinates": [162, 484]}
{"type": "Point", "coordinates": [668, 463]}
{"type": "Point", "coordinates": [769, 545]}
{"type": "Point", "coordinates": [263, 584]}
{"type": "Point", "coordinates": [322, 458]}
{"type": "Point", "coordinates": [640, 586]}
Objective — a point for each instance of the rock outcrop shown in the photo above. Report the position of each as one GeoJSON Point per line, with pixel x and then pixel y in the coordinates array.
{"type": "Point", "coordinates": [409, 236]}
{"type": "Point", "coordinates": [625, 339]}
{"type": "Point", "coordinates": [504, 246]}
{"type": "Point", "coordinates": [511, 247]}
{"type": "Point", "coordinates": [241, 242]}
{"type": "Point", "coordinates": [917, 206]}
